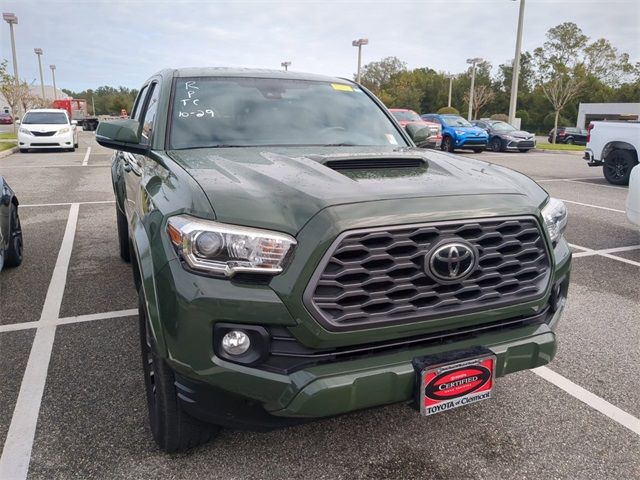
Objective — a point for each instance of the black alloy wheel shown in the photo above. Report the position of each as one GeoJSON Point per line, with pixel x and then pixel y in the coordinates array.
{"type": "Point", "coordinates": [447, 144]}
{"type": "Point", "coordinates": [618, 165]}
{"type": "Point", "coordinates": [172, 428]}
{"type": "Point", "coordinates": [14, 252]}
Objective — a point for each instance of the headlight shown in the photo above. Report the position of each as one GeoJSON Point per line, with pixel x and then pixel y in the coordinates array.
{"type": "Point", "coordinates": [63, 130]}
{"type": "Point", "coordinates": [554, 214]}
{"type": "Point", "coordinates": [460, 132]}
{"type": "Point", "coordinates": [25, 131]}
{"type": "Point", "coordinates": [222, 249]}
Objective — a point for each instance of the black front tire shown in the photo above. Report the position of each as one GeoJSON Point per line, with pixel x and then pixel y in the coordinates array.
{"type": "Point", "coordinates": [569, 141]}
{"type": "Point", "coordinates": [447, 145]}
{"type": "Point", "coordinates": [618, 165]}
{"type": "Point", "coordinates": [24, 150]}
{"type": "Point", "coordinates": [172, 428]}
{"type": "Point", "coordinates": [478, 150]}
{"type": "Point", "coordinates": [13, 256]}
{"type": "Point", "coordinates": [523, 150]}
{"type": "Point", "coordinates": [123, 235]}
{"type": "Point", "coordinates": [496, 145]}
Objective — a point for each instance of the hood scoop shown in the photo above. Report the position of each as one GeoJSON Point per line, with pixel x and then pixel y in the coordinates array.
{"type": "Point", "coordinates": [369, 163]}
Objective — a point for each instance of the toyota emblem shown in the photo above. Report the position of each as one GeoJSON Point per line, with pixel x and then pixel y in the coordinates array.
{"type": "Point", "coordinates": [451, 261]}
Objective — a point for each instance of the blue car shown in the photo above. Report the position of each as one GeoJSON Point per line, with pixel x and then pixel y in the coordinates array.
{"type": "Point", "coordinates": [458, 133]}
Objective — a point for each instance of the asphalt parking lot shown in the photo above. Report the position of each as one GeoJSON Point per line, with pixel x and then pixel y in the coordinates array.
{"type": "Point", "coordinates": [72, 397]}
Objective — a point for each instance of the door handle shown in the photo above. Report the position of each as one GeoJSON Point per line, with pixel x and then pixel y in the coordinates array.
{"type": "Point", "coordinates": [125, 161]}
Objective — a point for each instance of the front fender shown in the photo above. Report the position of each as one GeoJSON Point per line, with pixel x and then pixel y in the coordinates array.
{"type": "Point", "coordinates": [145, 277]}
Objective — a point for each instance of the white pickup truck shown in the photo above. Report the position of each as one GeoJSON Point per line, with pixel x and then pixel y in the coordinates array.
{"type": "Point", "coordinates": [614, 146]}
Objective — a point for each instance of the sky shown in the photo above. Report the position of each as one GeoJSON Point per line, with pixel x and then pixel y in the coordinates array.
{"type": "Point", "coordinates": [120, 42]}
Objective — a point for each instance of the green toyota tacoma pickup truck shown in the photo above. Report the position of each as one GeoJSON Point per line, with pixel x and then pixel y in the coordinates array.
{"type": "Point", "coordinates": [297, 257]}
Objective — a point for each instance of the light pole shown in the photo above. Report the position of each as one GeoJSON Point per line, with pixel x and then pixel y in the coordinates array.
{"type": "Point", "coordinates": [12, 20]}
{"type": "Point", "coordinates": [359, 43]}
{"type": "Point", "coordinates": [450, 87]}
{"type": "Point", "coordinates": [38, 52]}
{"type": "Point", "coordinates": [515, 73]}
{"type": "Point", "coordinates": [286, 65]}
{"type": "Point", "coordinates": [473, 62]}
{"type": "Point", "coordinates": [53, 74]}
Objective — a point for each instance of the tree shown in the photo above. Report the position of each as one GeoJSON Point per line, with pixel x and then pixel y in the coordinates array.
{"type": "Point", "coordinates": [450, 110]}
{"type": "Point", "coordinates": [107, 100]}
{"type": "Point", "coordinates": [13, 92]}
{"type": "Point", "coordinates": [603, 61]}
{"type": "Point", "coordinates": [31, 100]}
{"type": "Point", "coordinates": [559, 91]}
{"type": "Point", "coordinates": [525, 79]}
{"type": "Point", "coordinates": [482, 94]}
{"type": "Point", "coordinates": [375, 75]}
{"type": "Point", "coordinates": [562, 50]}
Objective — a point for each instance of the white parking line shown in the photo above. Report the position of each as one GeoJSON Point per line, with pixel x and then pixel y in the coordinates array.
{"type": "Point", "coordinates": [65, 204]}
{"type": "Point", "coordinates": [592, 206]}
{"type": "Point", "coordinates": [587, 252]}
{"type": "Point", "coordinates": [71, 165]}
{"type": "Point", "coordinates": [16, 454]}
{"type": "Point", "coordinates": [580, 181]}
{"type": "Point", "coordinates": [564, 179]}
{"type": "Point", "coordinates": [12, 327]}
{"type": "Point", "coordinates": [585, 396]}
{"type": "Point", "coordinates": [85, 161]}
{"type": "Point", "coordinates": [596, 184]}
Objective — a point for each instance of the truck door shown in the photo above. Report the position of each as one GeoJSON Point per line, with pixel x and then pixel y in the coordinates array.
{"type": "Point", "coordinates": [134, 163]}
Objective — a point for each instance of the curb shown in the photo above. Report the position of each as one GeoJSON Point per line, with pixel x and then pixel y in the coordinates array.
{"type": "Point", "coordinates": [570, 152]}
{"type": "Point", "coordinates": [10, 151]}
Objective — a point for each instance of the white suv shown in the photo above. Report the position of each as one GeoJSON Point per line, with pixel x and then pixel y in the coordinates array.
{"type": "Point", "coordinates": [47, 128]}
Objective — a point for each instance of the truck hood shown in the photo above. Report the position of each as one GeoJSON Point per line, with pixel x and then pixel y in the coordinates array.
{"type": "Point", "coordinates": [282, 188]}
{"type": "Point", "coordinates": [470, 130]}
{"type": "Point", "coordinates": [517, 134]}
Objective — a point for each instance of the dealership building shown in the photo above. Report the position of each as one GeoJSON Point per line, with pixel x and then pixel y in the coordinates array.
{"type": "Point", "coordinates": [588, 112]}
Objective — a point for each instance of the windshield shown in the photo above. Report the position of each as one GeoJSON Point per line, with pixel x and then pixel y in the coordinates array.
{"type": "Point", "coordinates": [49, 118]}
{"type": "Point", "coordinates": [406, 115]}
{"type": "Point", "coordinates": [226, 111]}
{"type": "Point", "coordinates": [502, 127]}
{"type": "Point", "coordinates": [455, 121]}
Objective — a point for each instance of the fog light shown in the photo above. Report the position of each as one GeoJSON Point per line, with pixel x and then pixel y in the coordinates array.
{"type": "Point", "coordinates": [236, 342]}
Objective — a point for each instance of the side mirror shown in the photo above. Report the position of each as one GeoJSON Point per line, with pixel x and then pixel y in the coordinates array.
{"type": "Point", "coordinates": [17, 122]}
{"type": "Point", "coordinates": [419, 133]}
{"type": "Point", "coordinates": [120, 135]}
{"type": "Point", "coordinates": [74, 122]}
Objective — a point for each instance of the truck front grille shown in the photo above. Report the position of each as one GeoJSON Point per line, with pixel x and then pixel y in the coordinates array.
{"type": "Point", "coordinates": [378, 276]}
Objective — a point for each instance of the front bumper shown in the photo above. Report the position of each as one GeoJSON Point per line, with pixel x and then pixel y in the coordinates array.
{"type": "Point", "coordinates": [64, 140]}
{"type": "Point", "coordinates": [334, 389]}
{"type": "Point", "coordinates": [520, 144]}
{"type": "Point", "coordinates": [471, 142]}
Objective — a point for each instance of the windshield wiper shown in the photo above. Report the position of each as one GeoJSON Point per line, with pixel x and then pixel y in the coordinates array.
{"type": "Point", "coordinates": [343, 144]}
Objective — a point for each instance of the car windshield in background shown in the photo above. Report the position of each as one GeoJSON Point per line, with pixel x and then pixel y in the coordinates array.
{"type": "Point", "coordinates": [47, 118]}
{"type": "Point", "coordinates": [502, 127]}
{"type": "Point", "coordinates": [406, 116]}
{"type": "Point", "coordinates": [228, 112]}
{"type": "Point", "coordinates": [455, 121]}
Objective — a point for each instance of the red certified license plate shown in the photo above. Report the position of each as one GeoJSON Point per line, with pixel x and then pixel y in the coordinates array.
{"type": "Point", "coordinates": [448, 386]}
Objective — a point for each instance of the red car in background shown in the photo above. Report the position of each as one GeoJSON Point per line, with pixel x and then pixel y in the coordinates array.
{"type": "Point", "coordinates": [409, 117]}
{"type": "Point", "coordinates": [5, 119]}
